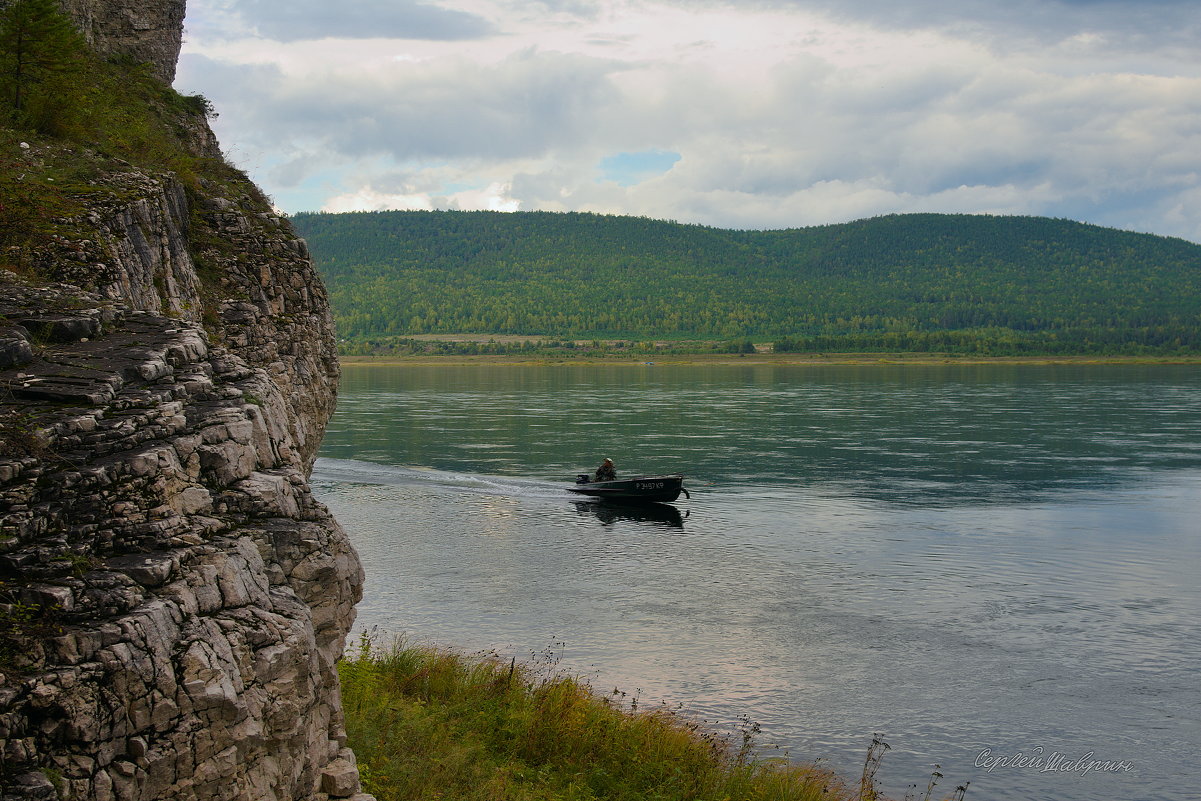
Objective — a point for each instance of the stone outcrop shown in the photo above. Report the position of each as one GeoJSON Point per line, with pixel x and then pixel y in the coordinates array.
{"type": "Point", "coordinates": [270, 306]}
{"type": "Point", "coordinates": [148, 30]}
{"type": "Point", "coordinates": [140, 244]}
{"type": "Point", "coordinates": [172, 599]}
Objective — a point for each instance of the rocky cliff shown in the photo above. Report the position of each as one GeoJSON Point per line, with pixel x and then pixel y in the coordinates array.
{"type": "Point", "coordinates": [148, 30]}
{"type": "Point", "coordinates": [172, 599]}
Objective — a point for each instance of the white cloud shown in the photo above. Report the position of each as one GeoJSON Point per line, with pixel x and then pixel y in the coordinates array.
{"type": "Point", "coordinates": [367, 199]}
{"type": "Point", "coordinates": [493, 197]}
{"type": "Point", "coordinates": [780, 115]}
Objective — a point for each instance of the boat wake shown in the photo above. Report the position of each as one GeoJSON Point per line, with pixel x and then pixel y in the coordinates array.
{"type": "Point", "coordinates": [328, 473]}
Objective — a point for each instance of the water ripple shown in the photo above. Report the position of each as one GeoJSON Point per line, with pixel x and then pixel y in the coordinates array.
{"type": "Point", "coordinates": [960, 558]}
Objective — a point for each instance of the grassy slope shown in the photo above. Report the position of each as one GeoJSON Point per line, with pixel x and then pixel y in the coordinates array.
{"type": "Point", "coordinates": [430, 724]}
{"type": "Point", "coordinates": [104, 123]}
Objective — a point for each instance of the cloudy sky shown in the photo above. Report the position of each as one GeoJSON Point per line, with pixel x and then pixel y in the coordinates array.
{"type": "Point", "coordinates": [744, 113]}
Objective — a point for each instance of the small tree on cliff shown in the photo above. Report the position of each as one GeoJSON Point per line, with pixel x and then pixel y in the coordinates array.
{"type": "Point", "coordinates": [39, 52]}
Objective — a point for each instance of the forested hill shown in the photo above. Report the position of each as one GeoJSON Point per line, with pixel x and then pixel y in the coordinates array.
{"type": "Point", "coordinates": [925, 282]}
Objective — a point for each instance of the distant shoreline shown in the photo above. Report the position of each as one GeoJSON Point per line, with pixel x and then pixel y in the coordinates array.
{"type": "Point", "coordinates": [766, 359]}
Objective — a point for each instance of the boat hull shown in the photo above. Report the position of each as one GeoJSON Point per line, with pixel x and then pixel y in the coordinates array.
{"type": "Point", "coordinates": [639, 489]}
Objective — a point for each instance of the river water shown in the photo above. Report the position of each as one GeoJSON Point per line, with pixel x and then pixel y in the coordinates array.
{"type": "Point", "coordinates": [987, 565]}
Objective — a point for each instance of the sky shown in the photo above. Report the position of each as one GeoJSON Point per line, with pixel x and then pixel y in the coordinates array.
{"type": "Point", "coordinates": [736, 114]}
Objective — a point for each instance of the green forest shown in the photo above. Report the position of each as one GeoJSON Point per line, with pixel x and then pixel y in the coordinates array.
{"type": "Point", "coordinates": [975, 284]}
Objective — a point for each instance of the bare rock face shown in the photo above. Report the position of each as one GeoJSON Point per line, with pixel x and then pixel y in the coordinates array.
{"type": "Point", "coordinates": [138, 251]}
{"type": "Point", "coordinates": [147, 30]}
{"type": "Point", "coordinates": [173, 599]}
{"type": "Point", "coordinates": [270, 306]}
{"type": "Point", "coordinates": [219, 254]}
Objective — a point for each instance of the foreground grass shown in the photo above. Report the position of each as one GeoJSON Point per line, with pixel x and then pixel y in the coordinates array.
{"type": "Point", "coordinates": [427, 723]}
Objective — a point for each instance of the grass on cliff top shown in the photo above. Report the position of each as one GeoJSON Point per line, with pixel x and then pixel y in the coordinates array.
{"type": "Point", "coordinates": [428, 723]}
{"type": "Point", "coordinates": [53, 85]}
{"type": "Point", "coordinates": [73, 123]}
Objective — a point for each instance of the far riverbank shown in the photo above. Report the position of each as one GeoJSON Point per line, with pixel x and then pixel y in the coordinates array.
{"type": "Point", "coordinates": [772, 359]}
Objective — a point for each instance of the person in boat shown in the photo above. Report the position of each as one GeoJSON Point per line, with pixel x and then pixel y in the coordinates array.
{"type": "Point", "coordinates": [606, 472]}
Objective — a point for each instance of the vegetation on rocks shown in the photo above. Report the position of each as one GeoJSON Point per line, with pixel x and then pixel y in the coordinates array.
{"type": "Point", "coordinates": [53, 85]}
{"type": "Point", "coordinates": [19, 436]}
{"type": "Point", "coordinates": [82, 133]}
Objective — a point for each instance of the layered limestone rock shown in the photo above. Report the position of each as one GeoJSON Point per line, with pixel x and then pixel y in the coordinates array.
{"type": "Point", "coordinates": [216, 252]}
{"type": "Point", "coordinates": [174, 598]}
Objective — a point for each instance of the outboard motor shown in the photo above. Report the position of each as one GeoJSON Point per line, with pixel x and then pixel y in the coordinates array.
{"type": "Point", "coordinates": [583, 478]}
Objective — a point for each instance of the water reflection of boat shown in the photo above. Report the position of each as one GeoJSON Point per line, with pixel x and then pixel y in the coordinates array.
{"type": "Point", "coordinates": [639, 489]}
{"type": "Point", "coordinates": [609, 513]}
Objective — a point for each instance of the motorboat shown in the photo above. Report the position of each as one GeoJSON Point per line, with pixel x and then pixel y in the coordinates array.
{"type": "Point", "coordinates": [639, 489]}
